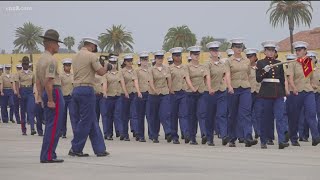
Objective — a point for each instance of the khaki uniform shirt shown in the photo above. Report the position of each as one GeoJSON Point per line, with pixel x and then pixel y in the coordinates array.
{"type": "Point", "coordinates": [66, 83]}
{"type": "Point", "coordinates": [7, 80]}
{"type": "Point", "coordinates": [255, 86]}
{"type": "Point", "coordinates": [113, 80]}
{"type": "Point", "coordinates": [301, 83]}
{"type": "Point", "coordinates": [98, 82]}
{"type": "Point", "coordinates": [217, 72]}
{"type": "Point", "coordinates": [143, 79]}
{"type": "Point", "coordinates": [85, 64]}
{"type": "Point", "coordinates": [129, 76]}
{"type": "Point", "coordinates": [160, 79]}
{"type": "Point", "coordinates": [239, 71]}
{"type": "Point", "coordinates": [47, 68]}
{"type": "Point", "coordinates": [197, 76]}
{"type": "Point", "coordinates": [178, 77]}
{"type": "Point", "coordinates": [26, 78]}
{"type": "Point", "coordinates": [316, 78]}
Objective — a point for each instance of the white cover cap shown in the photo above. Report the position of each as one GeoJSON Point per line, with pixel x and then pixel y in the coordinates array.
{"type": "Point", "coordinates": [67, 61]}
{"type": "Point", "coordinates": [251, 51]}
{"type": "Point", "coordinates": [214, 44]}
{"type": "Point", "coordinates": [176, 50]}
{"type": "Point", "coordinates": [91, 40]}
{"type": "Point", "coordinates": [300, 44]}
{"type": "Point", "coordinates": [194, 48]}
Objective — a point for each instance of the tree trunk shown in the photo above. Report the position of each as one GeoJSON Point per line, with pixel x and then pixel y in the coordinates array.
{"type": "Point", "coordinates": [291, 28]}
{"type": "Point", "coordinates": [31, 61]}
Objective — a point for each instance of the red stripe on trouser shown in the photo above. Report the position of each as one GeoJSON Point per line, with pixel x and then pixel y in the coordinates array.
{"type": "Point", "coordinates": [55, 121]}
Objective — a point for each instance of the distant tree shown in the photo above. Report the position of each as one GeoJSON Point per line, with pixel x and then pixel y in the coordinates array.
{"type": "Point", "coordinates": [69, 42]}
{"type": "Point", "coordinates": [116, 39]}
{"type": "Point", "coordinates": [27, 38]}
{"type": "Point", "coordinates": [204, 41]}
{"type": "Point", "coordinates": [292, 12]}
{"type": "Point", "coordinates": [3, 51]}
{"type": "Point", "coordinates": [224, 46]}
{"type": "Point", "coordinates": [180, 36]}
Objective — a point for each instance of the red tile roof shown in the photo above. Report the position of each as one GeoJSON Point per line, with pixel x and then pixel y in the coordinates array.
{"type": "Point", "coordinates": [310, 36]}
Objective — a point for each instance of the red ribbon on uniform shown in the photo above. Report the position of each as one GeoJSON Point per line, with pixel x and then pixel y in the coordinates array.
{"type": "Point", "coordinates": [306, 64]}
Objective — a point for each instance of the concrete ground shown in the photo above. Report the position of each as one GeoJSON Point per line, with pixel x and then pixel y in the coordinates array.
{"type": "Point", "coordinates": [19, 159]}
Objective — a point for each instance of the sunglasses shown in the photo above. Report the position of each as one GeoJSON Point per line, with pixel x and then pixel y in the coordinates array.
{"type": "Point", "coordinates": [238, 46]}
{"type": "Point", "coordinates": [214, 49]}
{"type": "Point", "coordinates": [299, 49]}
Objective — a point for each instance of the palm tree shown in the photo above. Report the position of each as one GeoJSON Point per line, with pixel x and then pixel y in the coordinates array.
{"type": "Point", "coordinates": [28, 38]}
{"type": "Point", "coordinates": [69, 42]}
{"type": "Point", "coordinates": [116, 39]}
{"type": "Point", "coordinates": [180, 36]}
{"type": "Point", "coordinates": [204, 41]}
{"type": "Point", "coordinates": [80, 45]}
{"type": "Point", "coordinates": [293, 12]}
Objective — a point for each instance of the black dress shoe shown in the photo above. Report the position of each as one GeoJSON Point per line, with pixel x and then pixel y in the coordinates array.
{"type": "Point", "coordinates": [142, 140]}
{"type": "Point", "coordinates": [24, 134]}
{"type": "Point", "coordinates": [283, 145]}
{"type": "Point", "coordinates": [186, 140]}
{"type": "Point", "coordinates": [232, 144]}
{"type": "Point", "coordinates": [155, 141]}
{"type": "Point", "coordinates": [103, 154]}
{"type": "Point", "coordinates": [121, 138]}
{"type": "Point", "coordinates": [182, 136]}
{"type": "Point", "coordinates": [40, 135]}
{"type": "Point", "coordinates": [270, 142]}
{"type": "Point", "coordinates": [169, 138]}
{"type": "Point", "coordinates": [225, 141]}
{"type": "Point", "coordinates": [134, 134]}
{"type": "Point", "coordinates": [241, 140]}
{"type": "Point", "coordinates": [295, 144]}
{"type": "Point", "coordinates": [53, 161]}
{"type": "Point", "coordinates": [256, 136]}
{"type": "Point", "coordinates": [315, 142]}
{"type": "Point", "coordinates": [264, 146]}
{"type": "Point", "coordinates": [12, 121]}
{"type": "Point", "coordinates": [287, 136]}
{"type": "Point", "coordinates": [33, 132]}
{"type": "Point", "coordinates": [137, 138]}
{"type": "Point", "coordinates": [305, 140]}
{"type": "Point", "coordinates": [109, 138]}
{"type": "Point", "coordinates": [193, 142]}
{"type": "Point", "coordinates": [126, 139]}
{"type": "Point", "coordinates": [175, 141]}
{"type": "Point", "coordinates": [64, 136]}
{"type": "Point", "coordinates": [210, 143]}
{"type": "Point", "coordinates": [117, 134]}
{"type": "Point", "coordinates": [203, 140]}
{"type": "Point", "coordinates": [250, 142]}
{"type": "Point", "coordinates": [81, 154]}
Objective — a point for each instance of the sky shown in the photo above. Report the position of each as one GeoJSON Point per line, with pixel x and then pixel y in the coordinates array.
{"type": "Point", "coordinates": [148, 21]}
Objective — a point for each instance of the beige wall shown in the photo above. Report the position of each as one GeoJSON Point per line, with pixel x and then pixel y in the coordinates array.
{"type": "Point", "coordinates": [6, 58]}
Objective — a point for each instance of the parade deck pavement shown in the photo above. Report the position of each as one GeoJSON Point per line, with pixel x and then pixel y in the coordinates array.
{"type": "Point", "coordinates": [19, 159]}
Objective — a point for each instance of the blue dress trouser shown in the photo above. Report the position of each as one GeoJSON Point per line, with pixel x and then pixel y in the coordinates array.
{"type": "Point", "coordinates": [86, 124]}
{"type": "Point", "coordinates": [53, 125]}
{"type": "Point", "coordinates": [99, 99]}
{"type": "Point", "coordinates": [133, 115]}
{"type": "Point", "coordinates": [303, 128]}
{"type": "Point", "coordinates": [239, 107]}
{"type": "Point", "coordinates": [159, 112]}
{"type": "Point", "coordinates": [39, 114]}
{"type": "Point", "coordinates": [179, 111]}
{"type": "Point", "coordinates": [217, 114]}
{"type": "Point", "coordinates": [111, 115]}
{"type": "Point", "coordinates": [141, 113]}
{"type": "Point", "coordinates": [257, 109]}
{"type": "Point", "coordinates": [7, 99]}
{"type": "Point", "coordinates": [197, 108]}
{"type": "Point", "coordinates": [276, 107]}
{"type": "Point", "coordinates": [67, 100]}
{"type": "Point", "coordinates": [27, 107]}
{"type": "Point", "coordinates": [128, 113]}
{"type": "Point", "coordinates": [307, 101]}
{"type": "Point", "coordinates": [17, 103]}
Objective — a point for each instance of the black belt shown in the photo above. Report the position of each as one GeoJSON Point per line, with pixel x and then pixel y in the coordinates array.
{"type": "Point", "coordinates": [57, 86]}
